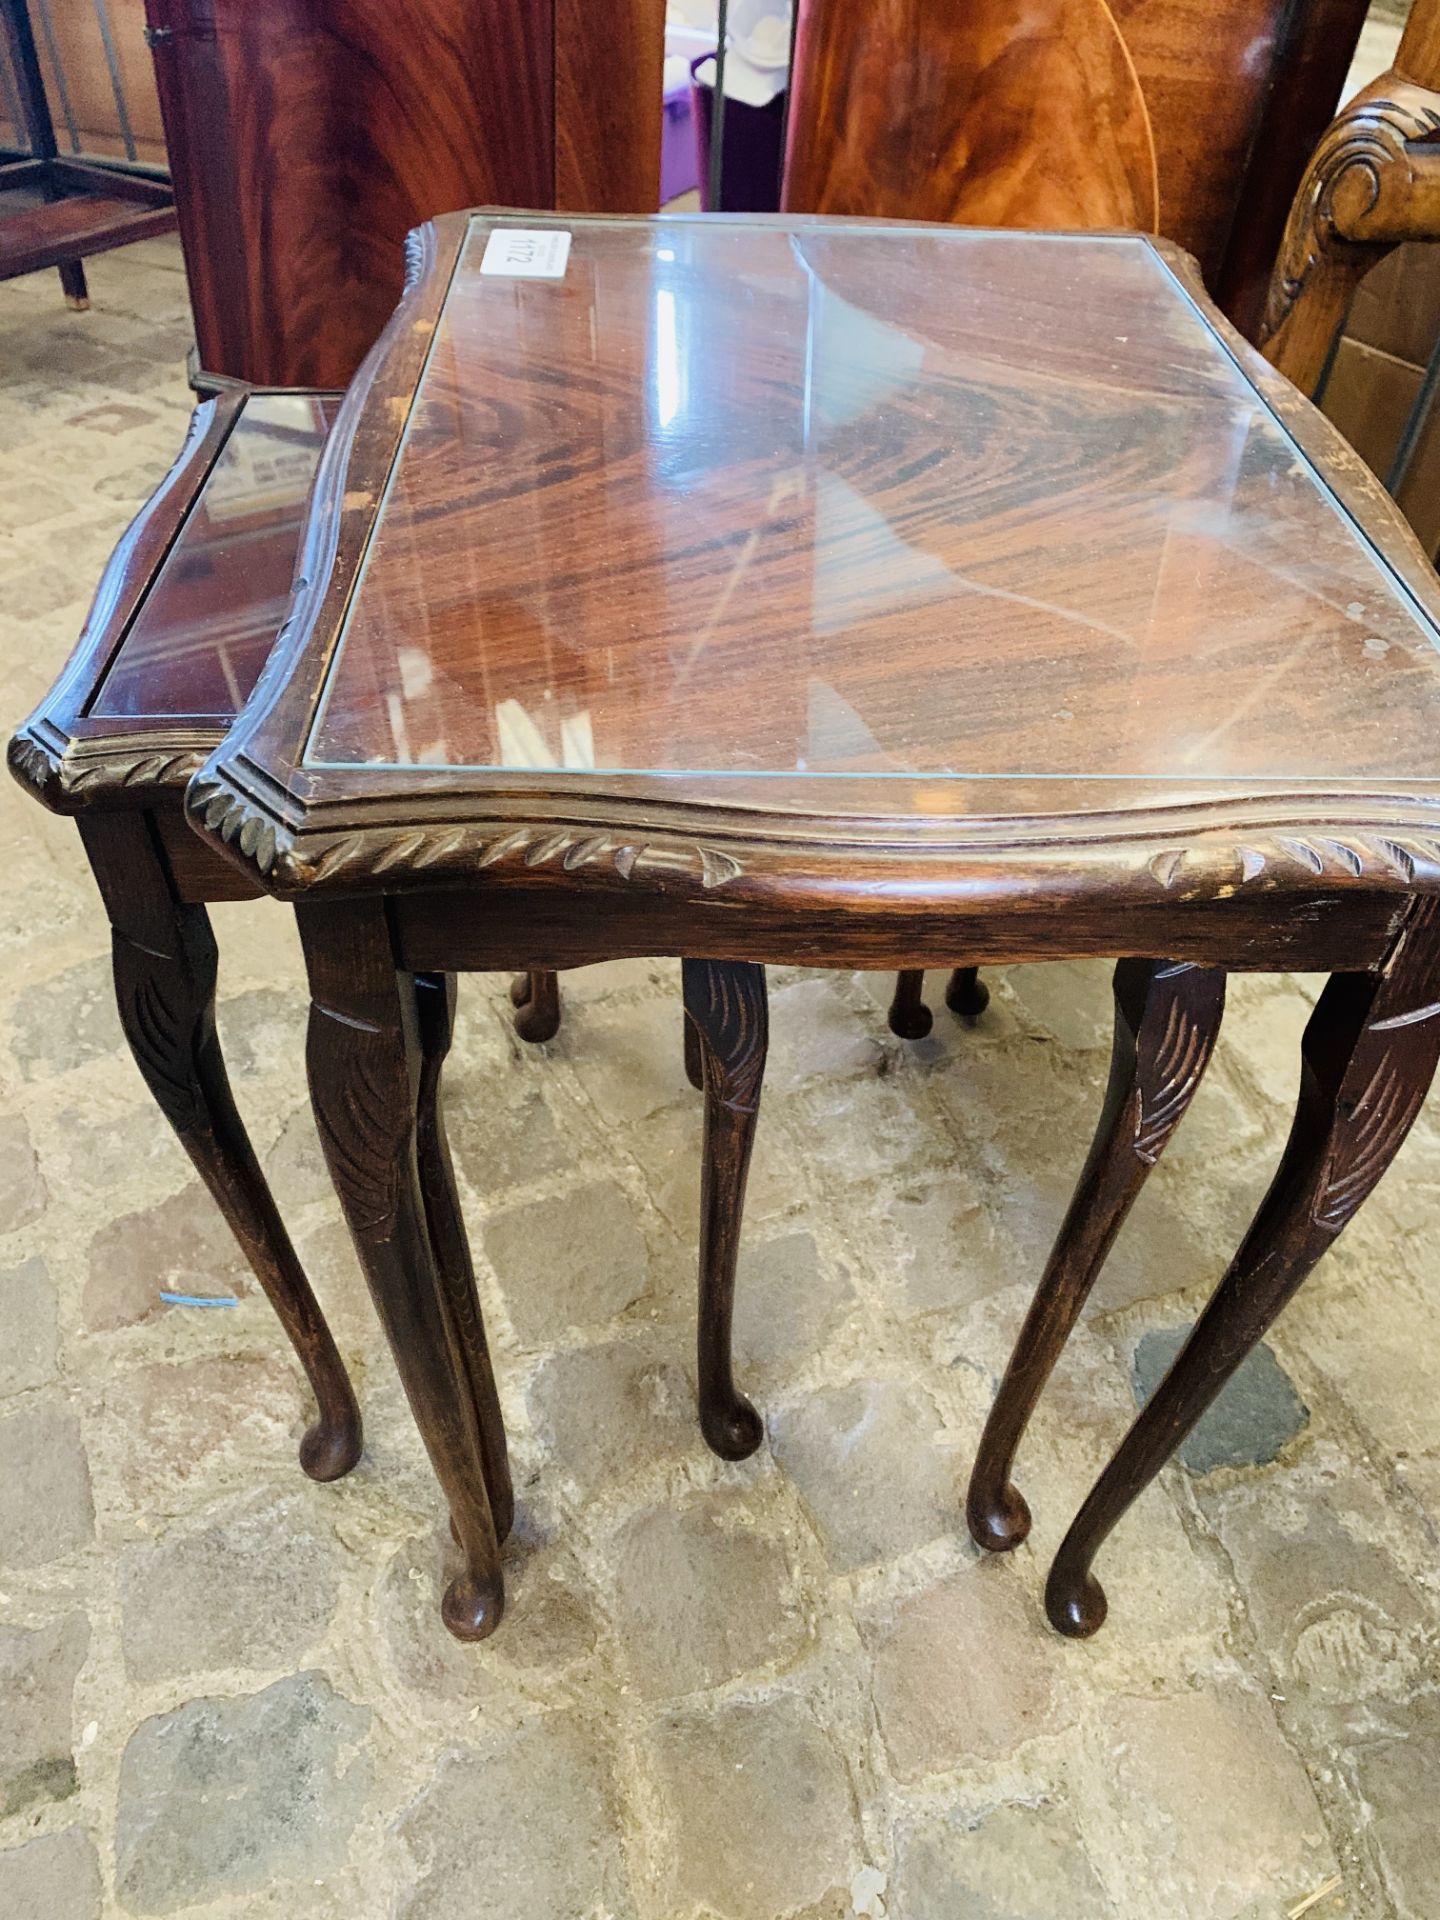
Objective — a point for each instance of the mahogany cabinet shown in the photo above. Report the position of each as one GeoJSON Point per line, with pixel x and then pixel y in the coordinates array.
{"type": "Point", "coordinates": [307, 137]}
{"type": "Point", "coordinates": [1188, 118]}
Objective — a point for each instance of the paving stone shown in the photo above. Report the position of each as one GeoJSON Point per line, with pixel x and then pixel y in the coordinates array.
{"type": "Point", "coordinates": [1327, 1601]}
{"type": "Point", "coordinates": [71, 1019]}
{"type": "Point", "coordinates": [180, 1245]}
{"type": "Point", "coordinates": [1400, 1780]}
{"type": "Point", "coordinates": [1067, 1001]}
{"type": "Point", "coordinates": [295, 1168]}
{"type": "Point", "coordinates": [1255, 1416]}
{"type": "Point", "coordinates": [943, 1249]}
{"type": "Point", "coordinates": [786, 1308]}
{"type": "Point", "coordinates": [815, 1030]}
{"type": "Point", "coordinates": [546, 1600]}
{"type": "Point", "coordinates": [873, 1468]}
{"type": "Point", "coordinates": [226, 1796]}
{"type": "Point", "coordinates": [759, 1813]}
{"type": "Point", "coordinates": [37, 1684]}
{"type": "Point", "coordinates": [526, 1825]}
{"type": "Point", "coordinates": [1017, 1863]}
{"type": "Point", "coordinates": [1199, 1807]}
{"type": "Point", "coordinates": [22, 1186]}
{"type": "Point", "coordinates": [28, 1315]}
{"type": "Point", "coordinates": [963, 1673]}
{"type": "Point", "coordinates": [252, 1590]}
{"type": "Point", "coordinates": [629, 1059]}
{"type": "Point", "coordinates": [45, 1505]}
{"type": "Point", "coordinates": [666, 1148]}
{"type": "Point", "coordinates": [509, 1137]}
{"type": "Point", "coordinates": [700, 1595]}
{"type": "Point", "coordinates": [176, 1431]}
{"type": "Point", "coordinates": [608, 1411]}
{"type": "Point", "coordinates": [263, 1031]}
{"type": "Point", "coordinates": [54, 1878]}
{"type": "Point", "coordinates": [577, 1260]}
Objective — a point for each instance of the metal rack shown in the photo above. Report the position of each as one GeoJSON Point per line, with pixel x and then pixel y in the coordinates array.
{"type": "Point", "coordinates": [76, 204]}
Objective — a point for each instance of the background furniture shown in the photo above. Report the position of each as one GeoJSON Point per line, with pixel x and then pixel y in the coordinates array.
{"type": "Point", "coordinates": [1189, 118]}
{"type": "Point", "coordinates": [1372, 182]}
{"type": "Point", "coordinates": [484, 744]}
{"type": "Point", "coordinates": [77, 206]}
{"type": "Point", "coordinates": [183, 620]}
{"type": "Point", "coordinates": [307, 137]}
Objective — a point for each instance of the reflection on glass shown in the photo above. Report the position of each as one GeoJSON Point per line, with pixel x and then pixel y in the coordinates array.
{"type": "Point", "coordinates": [207, 625]}
{"type": "Point", "coordinates": [748, 500]}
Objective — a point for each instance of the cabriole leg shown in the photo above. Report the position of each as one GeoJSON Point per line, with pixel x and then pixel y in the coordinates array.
{"type": "Point", "coordinates": [725, 1002]}
{"type": "Point", "coordinates": [366, 1065]}
{"type": "Point", "coordinates": [1167, 1017]}
{"type": "Point", "coordinates": [165, 972]}
{"type": "Point", "coordinates": [966, 993]}
{"type": "Point", "coordinates": [435, 1005]}
{"type": "Point", "coordinates": [1367, 1060]}
{"type": "Point", "coordinates": [535, 997]}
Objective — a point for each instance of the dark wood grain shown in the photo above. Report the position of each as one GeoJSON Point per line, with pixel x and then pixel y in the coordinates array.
{"type": "Point", "coordinates": [308, 136]}
{"type": "Point", "coordinates": [536, 1000]}
{"type": "Point", "coordinates": [726, 1005]}
{"type": "Point", "coordinates": [1167, 1017]}
{"type": "Point", "coordinates": [366, 1062]}
{"type": "Point", "coordinates": [165, 968]}
{"type": "Point", "coordinates": [609, 80]}
{"type": "Point", "coordinates": [1189, 118]}
{"type": "Point", "coordinates": [1367, 1060]}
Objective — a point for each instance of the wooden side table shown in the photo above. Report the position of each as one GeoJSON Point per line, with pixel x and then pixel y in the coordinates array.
{"type": "Point", "coordinates": [182, 623]}
{"type": "Point", "coordinates": [851, 595]}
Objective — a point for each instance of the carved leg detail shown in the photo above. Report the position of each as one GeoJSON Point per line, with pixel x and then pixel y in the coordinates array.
{"type": "Point", "coordinates": [725, 1001]}
{"type": "Point", "coordinates": [694, 1057]}
{"type": "Point", "coordinates": [1166, 1021]}
{"type": "Point", "coordinates": [165, 971]}
{"type": "Point", "coordinates": [967, 993]}
{"type": "Point", "coordinates": [909, 1016]}
{"type": "Point", "coordinates": [1367, 1059]}
{"type": "Point", "coordinates": [536, 999]}
{"type": "Point", "coordinates": [435, 1005]}
{"type": "Point", "coordinates": [366, 1066]}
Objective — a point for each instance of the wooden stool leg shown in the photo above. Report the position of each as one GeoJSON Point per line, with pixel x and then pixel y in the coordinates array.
{"type": "Point", "coordinates": [535, 997]}
{"type": "Point", "coordinates": [366, 1064]}
{"type": "Point", "coordinates": [1367, 1059]}
{"type": "Point", "coordinates": [72, 282]}
{"type": "Point", "coordinates": [909, 1016]}
{"type": "Point", "coordinates": [725, 1001]}
{"type": "Point", "coordinates": [967, 993]}
{"type": "Point", "coordinates": [1167, 1017]}
{"type": "Point", "coordinates": [435, 1006]}
{"type": "Point", "coordinates": [165, 971]}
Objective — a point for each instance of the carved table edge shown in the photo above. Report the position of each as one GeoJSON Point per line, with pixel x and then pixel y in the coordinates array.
{"type": "Point", "coordinates": [1200, 852]}
{"type": "Point", "coordinates": [71, 776]}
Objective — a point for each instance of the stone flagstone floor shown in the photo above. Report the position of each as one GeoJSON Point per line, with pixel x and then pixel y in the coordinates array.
{"type": "Point", "coordinates": [786, 1688]}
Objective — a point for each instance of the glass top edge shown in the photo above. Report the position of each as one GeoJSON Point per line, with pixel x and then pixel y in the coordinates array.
{"type": "Point", "coordinates": [821, 222]}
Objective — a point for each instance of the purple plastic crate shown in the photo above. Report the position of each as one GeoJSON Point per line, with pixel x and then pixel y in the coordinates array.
{"type": "Point", "coordinates": [679, 171]}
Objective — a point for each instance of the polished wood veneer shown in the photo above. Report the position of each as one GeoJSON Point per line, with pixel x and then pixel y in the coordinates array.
{"type": "Point", "coordinates": [1189, 118]}
{"type": "Point", "coordinates": [308, 136]}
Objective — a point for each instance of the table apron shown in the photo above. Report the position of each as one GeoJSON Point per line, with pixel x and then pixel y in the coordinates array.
{"type": "Point", "coordinates": [455, 930]}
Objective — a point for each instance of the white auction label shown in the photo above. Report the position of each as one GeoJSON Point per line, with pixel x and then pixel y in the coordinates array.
{"type": "Point", "coordinates": [527, 253]}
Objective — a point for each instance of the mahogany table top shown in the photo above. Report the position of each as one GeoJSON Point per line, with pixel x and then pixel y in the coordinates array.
{"type": "Point", "coordinates": [807, 554]}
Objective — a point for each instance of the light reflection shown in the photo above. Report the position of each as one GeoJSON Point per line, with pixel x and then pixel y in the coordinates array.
{"type": "Point", "coordinates": [668, 378]}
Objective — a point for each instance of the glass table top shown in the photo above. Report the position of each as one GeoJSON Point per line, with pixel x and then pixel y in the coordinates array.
{"type": "Point", "coordinates": [730, 497]}
{"type": "Point", "coordinates": [205, 629]}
